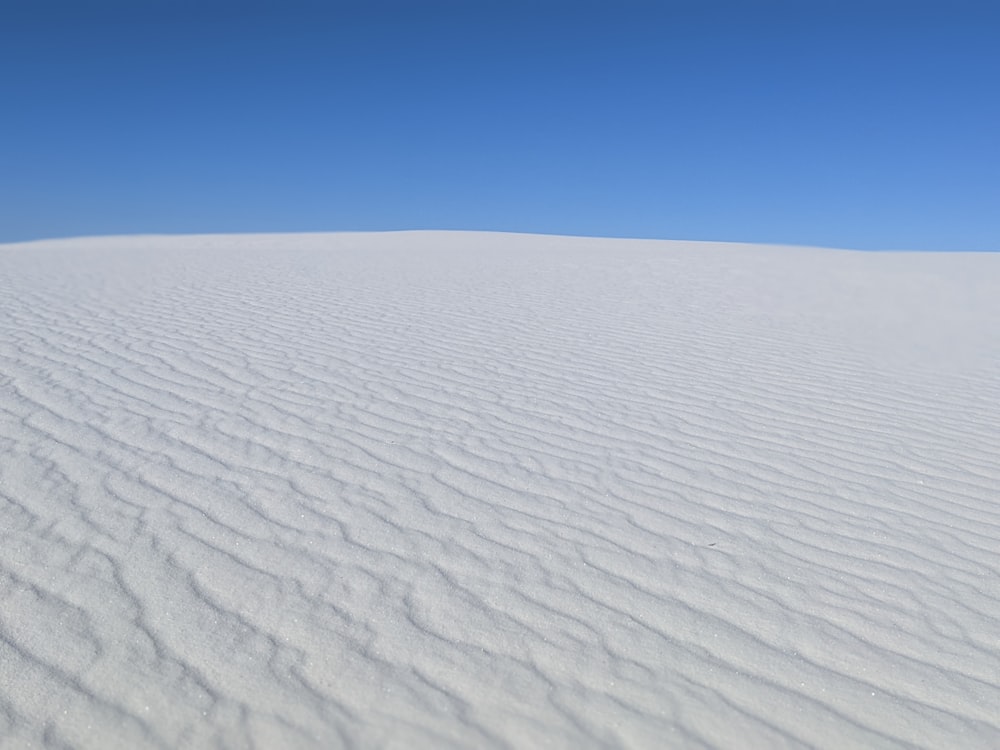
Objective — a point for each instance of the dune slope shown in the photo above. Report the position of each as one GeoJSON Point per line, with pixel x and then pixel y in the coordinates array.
{"type": "Point", "coordinates": [479, 490]}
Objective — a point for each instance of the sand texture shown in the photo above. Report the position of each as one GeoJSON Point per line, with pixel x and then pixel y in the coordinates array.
{"type": "Point", "coordinates": [444, 489]}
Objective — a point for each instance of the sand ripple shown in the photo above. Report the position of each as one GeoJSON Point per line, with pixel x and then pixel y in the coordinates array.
{"type": "Point", "coordinates": [471, 490]}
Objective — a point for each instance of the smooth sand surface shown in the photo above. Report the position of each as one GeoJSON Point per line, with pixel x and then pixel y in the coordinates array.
{"type": "Point", "coordinates": [443, 489]}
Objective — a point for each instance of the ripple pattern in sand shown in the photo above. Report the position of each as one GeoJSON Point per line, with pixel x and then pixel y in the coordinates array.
{"type": "Point", "coordinates": [471, 490]}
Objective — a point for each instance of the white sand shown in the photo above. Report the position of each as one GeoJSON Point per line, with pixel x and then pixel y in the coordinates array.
{"type": "Point", "coordinates": [477, 490]}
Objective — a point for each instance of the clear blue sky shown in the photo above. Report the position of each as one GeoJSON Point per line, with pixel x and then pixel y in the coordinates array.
{"type": "Point", "coordinates": [870, 124]}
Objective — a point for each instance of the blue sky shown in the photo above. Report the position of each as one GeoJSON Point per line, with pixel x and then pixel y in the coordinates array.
{"type": "Point", "coordinates": [852, 124]}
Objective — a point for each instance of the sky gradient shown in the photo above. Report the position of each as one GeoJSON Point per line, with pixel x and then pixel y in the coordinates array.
{"type": "Point", "coordinates": [870, 125]}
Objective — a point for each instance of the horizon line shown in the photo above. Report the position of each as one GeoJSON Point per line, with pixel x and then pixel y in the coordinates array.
{"type": "Point", "coordinates": [635, 238]}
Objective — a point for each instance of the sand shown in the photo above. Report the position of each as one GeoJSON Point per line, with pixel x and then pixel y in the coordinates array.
{"type": "Point", "coordinates": [446, 489]}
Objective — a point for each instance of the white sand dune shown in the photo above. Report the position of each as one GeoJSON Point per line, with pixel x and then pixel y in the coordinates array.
{"type": "Point", "coordinates": [481, 490]}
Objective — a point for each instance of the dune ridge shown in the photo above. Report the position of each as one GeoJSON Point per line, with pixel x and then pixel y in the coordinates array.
{"type": "Point", "coordinates": [452, 489]}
